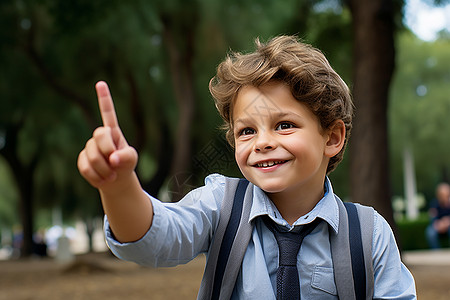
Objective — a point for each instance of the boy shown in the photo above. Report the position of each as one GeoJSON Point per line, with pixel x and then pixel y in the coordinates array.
{"type": "Point", "coordinates": [288, 115]}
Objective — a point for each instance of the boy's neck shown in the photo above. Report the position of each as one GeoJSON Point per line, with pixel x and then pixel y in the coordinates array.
{"type": "Point", "coordinates": [293, 204]}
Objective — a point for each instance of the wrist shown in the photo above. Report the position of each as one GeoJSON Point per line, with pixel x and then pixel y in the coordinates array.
{"type": "Point", "coordinates": [123, 185]}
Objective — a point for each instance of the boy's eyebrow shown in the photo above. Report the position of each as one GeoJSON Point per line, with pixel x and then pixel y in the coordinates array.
{"type": "Point", "coordinates": [242, 120]}
{"type": "Point", "coordinates": [277, 115]}
{"type": "Point", "coordinates": [283, 114]}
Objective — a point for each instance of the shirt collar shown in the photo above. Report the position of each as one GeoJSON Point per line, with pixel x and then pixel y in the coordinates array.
{"type": "Point", "coordinates": [326, 209]}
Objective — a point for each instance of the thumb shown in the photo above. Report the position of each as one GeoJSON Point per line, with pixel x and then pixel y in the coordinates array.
{"type": "Point", "coordinates": [124, 158]}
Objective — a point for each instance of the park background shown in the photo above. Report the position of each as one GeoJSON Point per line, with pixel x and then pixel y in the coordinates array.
{"type": "Point", "coordinates": [158, 57]}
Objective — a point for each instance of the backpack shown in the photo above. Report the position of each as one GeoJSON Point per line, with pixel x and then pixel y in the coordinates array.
{"type": "Point", "coordinates": [351, 249]}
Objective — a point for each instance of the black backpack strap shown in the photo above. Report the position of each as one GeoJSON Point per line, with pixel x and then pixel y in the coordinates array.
{"type": "Point", "coordinates": [356, 251]}
{"type": "Point", "coordinates": [229, 243]}
{"type": "Point", "coordinates": [351, 251]}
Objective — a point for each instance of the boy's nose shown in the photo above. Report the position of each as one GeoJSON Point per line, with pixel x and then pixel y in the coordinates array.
{"type": "Point", "coordinates": [260, 149]}
{"type": "Point", "coordinates": [264, 142]}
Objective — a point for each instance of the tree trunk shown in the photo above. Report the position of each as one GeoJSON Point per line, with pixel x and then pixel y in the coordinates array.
{"type": "Point", "coordinates": [180, 46]}
{"type": "Point", "coordinates": [374, 62]}
{"type": "Point", "coordinates": [26, 212]}
{"type": "Point", "coordinates": [164, 155]}
{"type": "Point", "coordinates": [162, 144]}
{"type": "Point", "coordinates": [409, 179]}
{"type": "Point", "coordinates": [23, 176]}
{"type": "Point", "coordinates": [137, 112]}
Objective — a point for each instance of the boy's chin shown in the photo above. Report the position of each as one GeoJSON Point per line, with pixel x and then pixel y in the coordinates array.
{"type": "Point", "coordinates": [268, 186]}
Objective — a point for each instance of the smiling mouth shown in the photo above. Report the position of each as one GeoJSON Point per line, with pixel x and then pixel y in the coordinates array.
{"type": "Point", "coordinates": [267, 164]}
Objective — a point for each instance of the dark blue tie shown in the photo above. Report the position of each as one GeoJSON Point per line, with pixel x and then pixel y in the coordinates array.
{"type": "Point", "coordinates": [288, 283]}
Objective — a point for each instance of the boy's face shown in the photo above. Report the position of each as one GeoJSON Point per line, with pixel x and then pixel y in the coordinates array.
{"type": "Point", "coordinates": [279, 144]}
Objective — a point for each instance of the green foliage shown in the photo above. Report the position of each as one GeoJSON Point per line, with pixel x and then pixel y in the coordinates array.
{"type": "Point", "coordinates": [412, 233]}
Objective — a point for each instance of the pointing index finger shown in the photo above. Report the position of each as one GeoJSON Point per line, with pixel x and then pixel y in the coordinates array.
{"type": "Point", "coordinates": [106, 105]}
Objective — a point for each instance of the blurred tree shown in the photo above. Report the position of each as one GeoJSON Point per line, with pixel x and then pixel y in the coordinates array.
{"type": "Point", "coordinates": [374, 26]}
{"type": "Point", "coordinates": [47, 104]}
{"type": "Point", "coordinates": [373, 66]}
{"type": "Point", "coordinates": [419, 110]}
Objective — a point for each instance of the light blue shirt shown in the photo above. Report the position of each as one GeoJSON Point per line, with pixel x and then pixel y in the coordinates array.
{"type": "Point", "coordinates": [180, 231]}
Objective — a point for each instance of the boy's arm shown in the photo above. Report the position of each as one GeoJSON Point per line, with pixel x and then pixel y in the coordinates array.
{"type": "Point", "coordinates": [107, 162]}
{"type": "Point", "coordinates": [392, 280]}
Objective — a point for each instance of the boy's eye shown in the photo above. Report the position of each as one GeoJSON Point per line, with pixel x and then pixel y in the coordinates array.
{"type": "Point", "coordinates": [247, 131]}
{"type": "Point", "coordinates": [284, 126]}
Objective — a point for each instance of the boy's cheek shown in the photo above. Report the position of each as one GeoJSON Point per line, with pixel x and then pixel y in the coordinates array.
{"type": "Point", "coordinates": [241, 158]}
{"type": "Point", "coordinates": [241, 153]}
{"type": "Point", "coordinates": [238, 158]}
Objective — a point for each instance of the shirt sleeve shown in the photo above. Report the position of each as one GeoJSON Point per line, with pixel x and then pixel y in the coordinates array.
{"type": "Point", "coordinates": [392, 280]}
{"type": "Point", "coordinates": [179, 232]}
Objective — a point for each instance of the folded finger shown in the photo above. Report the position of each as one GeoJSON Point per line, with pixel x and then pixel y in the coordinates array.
{"type": "Point", "coordinates": [104, 140]}
{"type": "Point", "coordinates": [87, 171]}
{"type": "Point", "coordinates": [125, 158]}
{"type": "Point", "coordinates": [98, 162]}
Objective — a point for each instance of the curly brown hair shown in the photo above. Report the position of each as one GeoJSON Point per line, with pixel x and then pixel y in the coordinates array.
{"type": "Point", "coordinates": [302, 67]}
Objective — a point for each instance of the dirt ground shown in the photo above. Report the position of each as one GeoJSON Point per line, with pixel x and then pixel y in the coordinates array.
{"type": "Point", "coordinates": [101, 276]}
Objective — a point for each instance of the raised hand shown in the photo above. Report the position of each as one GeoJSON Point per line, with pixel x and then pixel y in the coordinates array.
{"type": "Point", "coordinates": [107, 158]}
{"type": "Point", "coordinates": [107, 162]}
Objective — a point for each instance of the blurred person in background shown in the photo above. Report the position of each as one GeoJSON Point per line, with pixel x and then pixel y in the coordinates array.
{"type": "Point", "coordinates": [440, 216]}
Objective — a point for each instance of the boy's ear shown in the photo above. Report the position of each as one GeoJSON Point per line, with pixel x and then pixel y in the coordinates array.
{"type": "Point", "coordinates": [336, 138]}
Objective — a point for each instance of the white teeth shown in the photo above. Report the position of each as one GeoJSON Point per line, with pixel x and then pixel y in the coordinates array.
{"type": "Point", "coordinates": [269, 164]}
